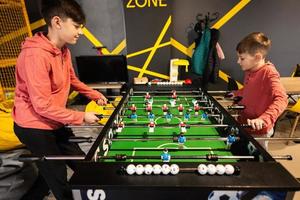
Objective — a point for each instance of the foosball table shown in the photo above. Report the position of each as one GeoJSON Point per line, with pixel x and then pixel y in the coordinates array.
{"type": "Point", "coordinates": [164, 142]}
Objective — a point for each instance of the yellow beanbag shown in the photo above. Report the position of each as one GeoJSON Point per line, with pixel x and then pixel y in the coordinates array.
{"type": "Point", "coordinates": [8, 139]}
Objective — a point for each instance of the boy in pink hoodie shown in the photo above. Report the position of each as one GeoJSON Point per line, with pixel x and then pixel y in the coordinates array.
{"type": "Point", "coordinates": [263, 95]}
{"type": "Point", "coordinates": [44, 75]}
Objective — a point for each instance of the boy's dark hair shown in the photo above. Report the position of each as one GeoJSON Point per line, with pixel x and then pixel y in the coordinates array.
{"type": "Point", "coordinates": [254, 43]}
{"type": "Point", "coordinates": [63, 9]}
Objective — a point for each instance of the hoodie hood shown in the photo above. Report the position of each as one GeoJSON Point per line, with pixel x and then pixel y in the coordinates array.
{"type": "Point", "coordinates": [40, 41]}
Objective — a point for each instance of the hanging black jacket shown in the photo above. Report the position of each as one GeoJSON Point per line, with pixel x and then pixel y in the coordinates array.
{"type": "Point", "coordinates": [211, 71]}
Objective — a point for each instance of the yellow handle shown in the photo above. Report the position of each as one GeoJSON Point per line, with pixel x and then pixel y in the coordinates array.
{"type": "Point", "coordinates": [182, 62]}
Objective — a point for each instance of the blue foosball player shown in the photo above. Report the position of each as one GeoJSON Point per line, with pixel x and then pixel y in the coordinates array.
{"type": "Point", "coordinates": [133, 116]}
{"type": "Point", "coordinates": [165, 156]}
{"type": "Point", "coordinates": [230, 140]}
{"type": "Point", "coordinates": [168, 116]}
{"type": "Point", "coordinates": [204, 116]}
{"type": "Point", "coordinates": [181, 139]}
{"type": "Point", "coordinates": [187, 116]}
{"type": "Point", "coordinates": [151, 117]}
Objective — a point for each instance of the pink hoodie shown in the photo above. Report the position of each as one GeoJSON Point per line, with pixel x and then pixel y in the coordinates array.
{"type": "Point", "coordinates": [44, 75]}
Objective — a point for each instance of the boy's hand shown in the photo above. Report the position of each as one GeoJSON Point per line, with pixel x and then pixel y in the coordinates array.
{"type": "Point", "coordinates": [256, 124]}
{"type": "Point", "coordinates": [90, 118]}
{"type": "Point", "coordinates": [102, 101]}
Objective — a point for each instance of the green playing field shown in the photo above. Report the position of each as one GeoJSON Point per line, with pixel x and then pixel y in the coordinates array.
{"type": "Point", "coordinates": [166, 132]}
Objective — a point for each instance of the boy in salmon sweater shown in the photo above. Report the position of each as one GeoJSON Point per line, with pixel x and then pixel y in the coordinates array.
{"type": "Point", "coordinates": [44, 75]}
{"type": "Point", "coordinates": [263, 95]}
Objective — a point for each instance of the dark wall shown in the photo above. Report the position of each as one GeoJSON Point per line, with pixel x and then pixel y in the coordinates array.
{"type": "Point", "coordinates": [279, 20]}
{"type": "Point", "coordinates": [276, 18]}
{"type": "Point", "coordinates": [143, 28]}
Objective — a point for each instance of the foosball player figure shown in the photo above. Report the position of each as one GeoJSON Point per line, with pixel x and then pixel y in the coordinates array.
{"type": "Point", "coordinates": [168, 116]}
{"type": "Point", "coordinates": [151, 116]}
{"type": "Point", "coordinates": [182, 127]}
{"type": "Point", "coordinates": [148, 108]}
{"type": "Point", "coordinates": [204, 116]}
{"type": "Point", "coordinates": [187, 116]}
{"type": "Point", "coordinates": [147, 96]}
{"type": "Point", "coordinates": [230, 140]}
{"type": "Point", "coordinates": [196, 109]}
{"type": "Point", "coordinates": [120, 127]}
{"type": "Point", "coordinates": [151, 126]}
{"type": "Point", "coordinates": [133, 116]}
{"type": "Point", "coordinates": [180, 109]}
{"type": "Point", "coordinates": [133, 108]}
{"type": "Point", "coordinates": [165, 109]}
{"type": "Point", "coordinates": [173, 102]}
{"type": "Point", "coordinates": [165, 156]}
{"type": "Point", "coordinates": [181, 140]}
{"type": "Point", "coordinates": [174, 95]}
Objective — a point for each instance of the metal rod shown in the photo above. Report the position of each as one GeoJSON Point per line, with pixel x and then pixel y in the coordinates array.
{"type": "Point", "coordinates": [219, 91]}
{"type": "Point", "coordinates": [81, 139]}
{"type": "Point", "coordinates": [158, 139]}
{"type": "Point", "coordinates": [31, 158]}
{"type": "Point", "coordinates": [90, 139]}
{"type": "Point", "coordinates": [124, 157]}
{"type": "Point", "coordinates": [111, 96]}
{"type": "Point", "coordinates": [235, 107]}
{"type": "Point", "coordinates": [160, 106]}
{"type": "Point", "coordinates": [175, 125]}
{"type": "Point", "coordinates": [282, 157]}
{"type": "Point", "coordinates": [171, 149]}
{"type": "Point", "coordinates": [166, 100]}
{"type": "Point", "coordinates": [209, 115]}
{"type": "Point", "coordinates": [164, 92]}
{"type": "Point", "coordinates": [178, 96]}
{"type": "Point", "coordinates": [282, 138]}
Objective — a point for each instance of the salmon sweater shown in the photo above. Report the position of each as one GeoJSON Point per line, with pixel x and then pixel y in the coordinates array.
{"type": "Point", "coordinates": [263, 97]}
{"type": "Point", "coordinates": [44, 75]}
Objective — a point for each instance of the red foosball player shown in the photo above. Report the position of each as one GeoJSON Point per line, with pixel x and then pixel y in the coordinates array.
{"type": "Point", "coordinates": [151, 126]}
{"type": "Point", "coordinates": [182, 127]}
{"type": "Point", "coordinates": [196, 109]}
{"type": "Point", "coordinates": [120, 127]}
{"type": "Point", "coordinates": [165, 109]}
{"type": "Point", "coordinates": [147, 96]}
{"type": "Point", "coordinates": [148, 107]}
{"type": "Point", "coordinates": [180, 109]}
{"type": "Point", "coordinates": [133, 108]}
{"type": "Point", "coordinates": [174, 95]}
